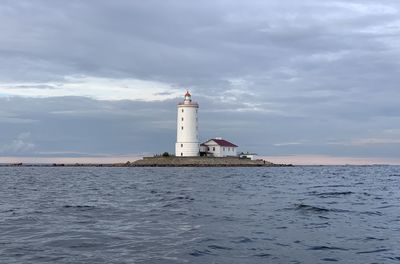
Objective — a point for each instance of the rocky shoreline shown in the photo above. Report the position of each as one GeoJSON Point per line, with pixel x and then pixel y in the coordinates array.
{"type": "Point", "coordinates": [171, 161]}
{"type": "Point", "coordinates": [202, 162]}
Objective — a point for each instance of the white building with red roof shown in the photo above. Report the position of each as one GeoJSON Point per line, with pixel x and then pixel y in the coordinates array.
{"type": "Point", "coordinates": [218, 147]}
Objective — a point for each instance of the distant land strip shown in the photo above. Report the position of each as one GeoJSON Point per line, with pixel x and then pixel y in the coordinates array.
{"type": "Point", "coordinates": [164, 162]}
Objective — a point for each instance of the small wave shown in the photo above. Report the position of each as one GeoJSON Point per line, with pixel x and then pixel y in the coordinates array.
{"type": "Point", "coordinates": [8, 211]}
{"type": "Point", "coordinates": [27, 219]}
{"type": "Point", "coordinates": [183, 197]}
{"type": "Point", "coordinates": [380, 227]}
{"type": "Point", "coordinates": [73, 243]}
{"type": "Point", "coordinates": [373, 238]}
{"type": "Point", "coordinates": [386, 206]}
{"type": "Point", "coordinates": [199, 253]}
{"type": "Point", "coordinates": [178, 198]}
{"type": "Point", "coordinates": [371, 213]}
{"type": "Point", "coordinates": [80, 207]}
{"type": "Point", "coordinates": [318, 225]}
{"type": "Point", "coordinates": [327, 248]}
{"type": "Point", "coordinates": [306, 207]}
{"type": "Point", "coordinates": [394, 258]}
{"type": "Point", "coordinates": [219, 247]}
{"type": "Point", "coordinates": [330, 194]}
{"type": "Point", "coordinates": [242, 240]}
{"type": "Point", "coordinates": [329, 259]}
{"type": "Point", "coordinates": [329, 186]}
{"type": "Point", "coordinates": [262, 255]}
{"type": "Point", "coordinates": [169, 205]}
{"type": "Point", "coordinates": [175, 201]}
{"type": "Point", "coordinates": [228, 218]}
{"type": "Point", "coordinates": [130, 187]}
{"type": "Point", "coordinates": [204, 240]}
{"type": "Point", "coordinates": [311, 208]}
{"type": "Point", "coordinates": [373, 251]}
{"type": "Point", "coordinates": [267, 239]}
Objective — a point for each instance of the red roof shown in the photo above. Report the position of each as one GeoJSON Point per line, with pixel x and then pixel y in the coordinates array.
{"type": "Point", "coordinates": [223, 143]}
{"type": "Point", "coordinates": [187, 93]}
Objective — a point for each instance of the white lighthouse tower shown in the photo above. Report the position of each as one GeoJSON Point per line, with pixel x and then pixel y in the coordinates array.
{"type": "Point", "coordinates": [187, 133]}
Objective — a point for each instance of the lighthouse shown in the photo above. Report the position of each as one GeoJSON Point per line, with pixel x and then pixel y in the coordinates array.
{"type": "Point", "coordinates": [187, 132]}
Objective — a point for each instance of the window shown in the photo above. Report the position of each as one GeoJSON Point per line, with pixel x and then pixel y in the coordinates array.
{"type": "Point", "coordinates": [223, 149]}
{"type": "Point", "coordinates": [182, 118]}
{"type": "Point", "coordinates": [182, 110]}
{"type": "Point", "coordinates": [213, 148]}
{"type": "Point", "coordinates": [181, 145]}
{"type": "Point", "coordinates": [181, 128]}
{"type": "Point", "coordinates": [181, 154]}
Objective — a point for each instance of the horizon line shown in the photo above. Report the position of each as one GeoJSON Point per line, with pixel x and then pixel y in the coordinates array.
{"type": "Point", "coordinates": [305, 159]}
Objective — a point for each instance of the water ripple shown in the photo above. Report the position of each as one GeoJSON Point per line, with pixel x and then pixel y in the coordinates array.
{"type": "Point", "coordinates": [305, 214]}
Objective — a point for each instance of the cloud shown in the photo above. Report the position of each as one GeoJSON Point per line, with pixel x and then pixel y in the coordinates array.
{"type": "Point", "coordinates": [374, 141]}
{"type": "Point", "coordinates": [363, 9]}
{"type": "Point", "coordinates": [21, 144]}
{"type": "Point", "coordinates": [285, 144]}
{"type": "Point", "coordinates": [94, 87]}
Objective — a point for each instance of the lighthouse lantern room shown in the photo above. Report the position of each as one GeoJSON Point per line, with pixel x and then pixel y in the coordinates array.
{"type": "Point", "coordinates": [187, 134]}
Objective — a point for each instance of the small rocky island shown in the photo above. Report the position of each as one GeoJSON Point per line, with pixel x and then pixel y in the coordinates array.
{"type": "Point", "coordinates": [166, 160]}
{"type": "Point", "coordinates": [172, 161]}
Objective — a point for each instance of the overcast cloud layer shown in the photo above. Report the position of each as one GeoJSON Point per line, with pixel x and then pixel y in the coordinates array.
{"type": "Point", "coordinates": [101, 78]}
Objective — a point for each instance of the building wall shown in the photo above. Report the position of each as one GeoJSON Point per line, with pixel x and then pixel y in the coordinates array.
{"type": "Point", "coordinates": [187, 143]}
{"type": "Point", "coordinates": [249, 156]}
{"type": "Point", "coordinates": [187, 149]}
{"type": "Point", "coordinates": [219, 151]}
{"type": "Point", "coordinates": [229, 151]}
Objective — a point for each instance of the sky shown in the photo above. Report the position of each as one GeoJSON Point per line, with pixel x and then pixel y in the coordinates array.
{"type": "Point", "coordinates": [305, 81]}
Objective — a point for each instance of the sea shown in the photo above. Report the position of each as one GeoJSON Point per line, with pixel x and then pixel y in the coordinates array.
{"type": "Point", "coordinates": [301, 214]}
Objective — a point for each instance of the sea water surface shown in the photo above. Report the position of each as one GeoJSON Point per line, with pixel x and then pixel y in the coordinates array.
{"type": "Point", "coordinates": [345, 214]}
